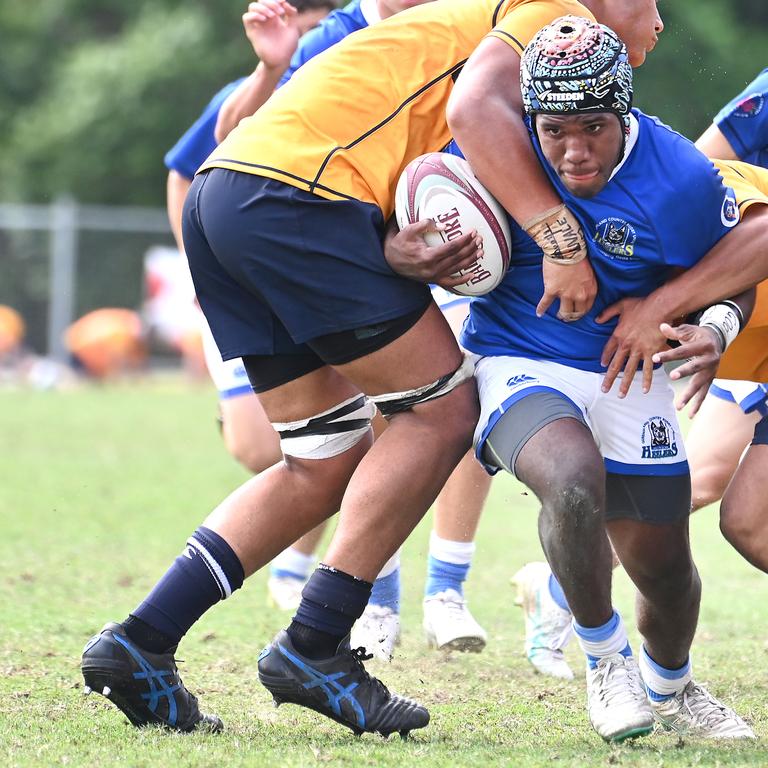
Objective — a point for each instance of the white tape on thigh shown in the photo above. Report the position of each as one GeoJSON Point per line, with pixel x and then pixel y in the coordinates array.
{"type": "Point", "coordinates": [328, 433]}
{"type": "Point", "coordinates": [393, 402]}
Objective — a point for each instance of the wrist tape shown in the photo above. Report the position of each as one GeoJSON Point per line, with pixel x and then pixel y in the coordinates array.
{"type": "Point", "coordinates": [725, 319]}
{"type": "Point", "coordinates": [558, 234]}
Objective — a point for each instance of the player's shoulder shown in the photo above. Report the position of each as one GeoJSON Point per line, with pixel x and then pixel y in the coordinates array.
{"type": "Point", "coordinates": [667, 152]}
{"type": "Point", "coordinates": [341, 22]}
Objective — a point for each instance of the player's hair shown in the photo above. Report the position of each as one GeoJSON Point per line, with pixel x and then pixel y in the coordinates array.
{"type": "Point", "coordinates": [314, 5]}
{"type": "Point", "coordinates": [576, 65]}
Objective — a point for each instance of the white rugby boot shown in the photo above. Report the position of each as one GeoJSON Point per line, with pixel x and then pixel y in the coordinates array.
{"type": "Point", "coordinates": [616, 700]}
{"type": "Point", "coordinates": [449, 626]}
{"type": "Point", "coordinates": [696, 712]}
{"type": "Point", "coordinates": [284, 592]}
{"type": "Point", "coordinates": [378, 631]}
{"type": "Point", "coordinates": [548, 627]}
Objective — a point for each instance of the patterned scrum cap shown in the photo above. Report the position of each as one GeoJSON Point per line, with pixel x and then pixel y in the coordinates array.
{"type": "Point", "coordinates": [576, 65]}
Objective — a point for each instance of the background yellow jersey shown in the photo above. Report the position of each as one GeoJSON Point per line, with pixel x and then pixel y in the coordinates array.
{"type": "Point", "coordinates": [350, 120]}
{"type": "Point", "coordinates": [747, 357]}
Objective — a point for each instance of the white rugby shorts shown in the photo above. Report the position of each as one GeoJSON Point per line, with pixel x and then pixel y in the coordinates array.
{"type": "Point", "coordinates": [748, 395]}
{"type": "Point", "coordinates": [636, 435]}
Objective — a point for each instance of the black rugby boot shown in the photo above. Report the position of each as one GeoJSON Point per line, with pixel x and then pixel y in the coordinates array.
{"type": "Point", "coordinates": [145, 686]}
{"type": "Point", "coordinates": [337, 687]}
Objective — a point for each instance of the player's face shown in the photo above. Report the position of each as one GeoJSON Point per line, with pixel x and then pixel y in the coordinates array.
{"type": "Point", "coordinates": [636, 22]}
{"type": "Point", "coordinates": [389, 8]}
{"type": "Point", "coordinates": [582, 149]}
{"type": "Point", "coordinates": [309, 19]}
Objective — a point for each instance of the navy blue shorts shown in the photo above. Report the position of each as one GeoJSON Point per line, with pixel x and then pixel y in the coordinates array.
{"type": "Point", "coordinates": [761, 432]}
{"type": "Point", "coordinates": [275, 267]}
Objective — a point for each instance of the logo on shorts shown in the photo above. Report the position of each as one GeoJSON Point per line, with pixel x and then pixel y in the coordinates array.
{"type": "Point", "coordinates": [658, 439]}
{"type": "Point", "coordinates": [616, 237]}
{"type": "Point", "coordinates": [751, 106]}
{"type": "Point", "coordinates": [521, 378]}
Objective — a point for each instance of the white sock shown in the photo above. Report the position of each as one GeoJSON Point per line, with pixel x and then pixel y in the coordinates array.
{"type": "Point", "coordinates": [456, 552]}
{"type": "Point", "coordinates": [660, 682]}
{"type": "Point", "coordinates": [390, 566]}
{"type": "Point", "coordinates": [294, 563]}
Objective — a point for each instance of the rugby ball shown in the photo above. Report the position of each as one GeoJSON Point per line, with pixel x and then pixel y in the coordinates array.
{"type": "Point", "coordinates": [442, 187]}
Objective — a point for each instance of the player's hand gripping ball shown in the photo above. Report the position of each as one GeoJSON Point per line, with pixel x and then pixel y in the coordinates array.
{"type": "Point", "coordinates": [442, 187]}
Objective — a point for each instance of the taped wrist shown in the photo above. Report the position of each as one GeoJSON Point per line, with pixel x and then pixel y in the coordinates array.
{"type": "Point", "coordinates": [726, 319]}
{"type": "Point", "coordinates": [558, 234]}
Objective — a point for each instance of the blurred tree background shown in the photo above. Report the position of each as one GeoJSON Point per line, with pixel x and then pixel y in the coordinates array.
{"type": "Point", "coordinates": [93, 92]}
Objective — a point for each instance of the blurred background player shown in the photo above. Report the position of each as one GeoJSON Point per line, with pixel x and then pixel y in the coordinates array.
{"type": "Point", "coordinates": [274, 27]}
{"type": "Point", "coordinates": [107, 342]}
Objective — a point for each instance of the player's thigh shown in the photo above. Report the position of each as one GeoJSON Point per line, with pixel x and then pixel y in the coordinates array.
{"type": "Point", "coordinates": [533, 422]}
{"type": "Point", "coordinates": [718, 436]}
{"type": "Point", "coordinates": [744, 502]}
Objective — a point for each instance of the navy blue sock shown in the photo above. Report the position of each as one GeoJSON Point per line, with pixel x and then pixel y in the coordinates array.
{"type": "Point", "coordinates": [331, 602]}
{"type": "Point", "coordinates": [205, 572]}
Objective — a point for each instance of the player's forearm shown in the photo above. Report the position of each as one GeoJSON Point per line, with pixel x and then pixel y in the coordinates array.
{"type": "Point", "coordinates": [738, 262]}
{"type": "Point", "coordinates": [486, 119]}
{"type": "Point", "coordinates": [247, 98]}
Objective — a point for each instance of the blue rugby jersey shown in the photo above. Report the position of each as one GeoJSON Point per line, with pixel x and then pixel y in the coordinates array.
{"type": "Point", "coordinates": [663, 209]}
{"type": "Point", "coordinates": [744, 122]}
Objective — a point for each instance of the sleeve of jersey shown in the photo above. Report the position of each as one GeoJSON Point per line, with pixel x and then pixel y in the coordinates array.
{"type": "Point", "coordinates": [316, 41]}
{"type": "Point", "coordinates": [744, 120]}
{"type": "Point", "coordinates": [749, 183]}
{"type": "Point", "coordinates": [692, 220]}
{"type": "Point", "coordinates": [193, 148]}
{"type": "Point", "coordinates": [521, 22]}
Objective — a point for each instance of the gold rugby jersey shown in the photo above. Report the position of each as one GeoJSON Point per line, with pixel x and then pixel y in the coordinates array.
{"type": "Point", "coordinates": [351, 119]}
{"type": "Point", "coordinates": [747, 357]}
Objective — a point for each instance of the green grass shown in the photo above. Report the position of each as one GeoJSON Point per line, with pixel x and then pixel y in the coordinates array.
{"type": "Point", "coordinates": [98, 491]}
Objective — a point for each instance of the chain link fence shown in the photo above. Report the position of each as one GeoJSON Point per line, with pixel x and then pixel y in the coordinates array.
{"type": "Point", "coordinates": [62, 260]}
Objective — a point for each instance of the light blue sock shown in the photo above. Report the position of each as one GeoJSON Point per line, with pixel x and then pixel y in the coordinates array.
{"type": "Point", "coordinates": [386, 591]}
{"type": "Point", "coordinates": [604, 640]}
{"type": "Point", "coordinates": [557, 594]}
{"type": "Point", "coordinates": [442, 576]}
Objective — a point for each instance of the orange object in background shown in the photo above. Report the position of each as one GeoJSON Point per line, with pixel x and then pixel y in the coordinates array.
{"type": "Point", "coordinates": [107, 342]}
{"type": "Point", "coordinates": [12, 329]}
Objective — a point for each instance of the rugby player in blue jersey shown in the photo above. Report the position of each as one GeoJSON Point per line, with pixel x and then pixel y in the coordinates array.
{"type": "Point", "coordinates": [599, 457]}
{"type": "Point", "coordinates": [273, 28]}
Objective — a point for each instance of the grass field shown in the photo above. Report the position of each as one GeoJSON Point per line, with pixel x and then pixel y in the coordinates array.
{"type": "Point", "coordinates": [100, 488]}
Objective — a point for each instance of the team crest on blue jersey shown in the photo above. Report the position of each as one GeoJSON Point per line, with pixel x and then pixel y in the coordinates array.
{"type": "Point", "coordinates": [729, 213]}
{"type": "Point", "coordinates": [752, 106]}
{"type": "Point", "coordinates": [616, 237]}
{"type": "Point", "coordinates": [659, 441]}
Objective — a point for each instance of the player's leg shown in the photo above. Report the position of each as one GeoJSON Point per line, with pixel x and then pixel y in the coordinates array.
{"type": "Point", "coordinates": [743, 518]}
{"type": "Point", "coordinates": [541, 434]}
{"type": "Point", "coordinates": [448, 623]}
{"type": "Point", "coordinates": [250, 439]}
{"type": "Point", "coordinates": [718, 436]}
{"type": "Point", "coordinates": [648, 505]}
{"type": "Point", "coordinates": [260, 232]}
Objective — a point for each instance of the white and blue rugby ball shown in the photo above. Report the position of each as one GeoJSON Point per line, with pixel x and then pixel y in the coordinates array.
{"type": "Point", "coordinates": [443, 188]}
